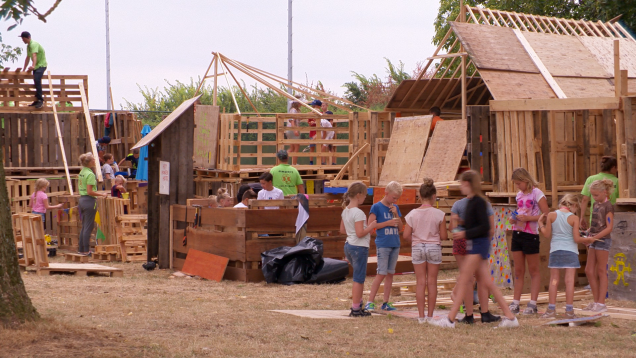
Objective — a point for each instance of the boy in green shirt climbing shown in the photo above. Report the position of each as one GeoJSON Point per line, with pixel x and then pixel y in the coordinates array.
{"type": "Point", "coordinates": [35, 53]}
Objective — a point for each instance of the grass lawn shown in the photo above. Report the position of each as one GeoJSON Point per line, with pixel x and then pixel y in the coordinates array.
{"type": "Point", "coordinates": [149, 314]}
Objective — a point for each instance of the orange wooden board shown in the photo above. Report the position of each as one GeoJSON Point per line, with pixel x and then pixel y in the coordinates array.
{"type": "Point", "coordinates": [208, 266]}
{"type": "Point", "coordinates": [408, 196]}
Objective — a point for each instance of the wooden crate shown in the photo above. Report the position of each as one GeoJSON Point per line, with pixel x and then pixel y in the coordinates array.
{"type": "Point", "coordinates": [29, 236]}
{"type": "Point", "coordinates": [132, 235]}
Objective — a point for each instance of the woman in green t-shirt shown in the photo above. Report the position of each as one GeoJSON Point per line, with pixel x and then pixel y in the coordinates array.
{"type": "Point", "coordinates": [87, 188]}
{"type": "Point", "coordinates": [609, 169]}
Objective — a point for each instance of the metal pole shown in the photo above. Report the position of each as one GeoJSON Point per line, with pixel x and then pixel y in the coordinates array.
{"type": "Point", "coordinates": [289, 45]}
{"type": "Point", "coordinates": [108, 99]}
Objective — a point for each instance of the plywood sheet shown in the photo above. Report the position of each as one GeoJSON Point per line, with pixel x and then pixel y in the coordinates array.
{"type": "Point", "coordinates": [406, 149]}
{"type": "Point", "coordinates": [445, 152]}
{"type": "Point", "coordinates": [585, 87]}
{"type": "Point", "coordinates": [321, 314]}
{"type": "Point", "coordinates": [493, 47]}
{"type": "Point", "coordinates": [565, 55]}
{"type": "Point", "coordinates": [199, 263]}
{"type": "Point", "coordinates": [602, 48]}
{"type": "Point", "coordinates": [516, 85]}
{"type": "Point", "coordinates": [206, 120]}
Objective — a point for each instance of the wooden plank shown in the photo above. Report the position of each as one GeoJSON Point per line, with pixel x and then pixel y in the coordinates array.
{"type": "Point", "coordinates": [509, 148]}
{"type": "Point", "coordinates": [545, 150]}
{"type": "Point", "coordinates": [485, 145]}
{"type": "Point", "coordinates": [530, 152]}
{"type": "Point", "coordinates": [474, 118]}
{"type": "Point", "coordinates": [609, 133]}
{"type": "Point", "coordinates": [406, 149]}
{"type": "Point", "coordinates": [89, 126]}
{"type": "Point", "coordinates": [516, 85]}
{"type": "Point", "coordinates": [206, 119]}
{"type": "Point", "coordinates": [15, 140]}
{"type": "Point", "coordinates": [580, 159]}
{"type": "Point", "coordinates": [553, 158]}
{"type": "Point", "coordinates": [445, 152]}
{"type": "Point", "coordinates": [630, 151]}
{"type": "Point", "coordinates": [208, 266]}
{"type": "Point", "coordinates": [563, 104]}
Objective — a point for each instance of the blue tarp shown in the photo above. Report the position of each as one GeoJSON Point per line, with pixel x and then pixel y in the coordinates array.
{"type": "Point", "coordinates": [142, 166]}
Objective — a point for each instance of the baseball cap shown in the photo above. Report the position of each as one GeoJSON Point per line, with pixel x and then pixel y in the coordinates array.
{"type": "Point", "coordinates": [316, 102]}
{"type": "Point", "coordinates": [104, 140]}
{"type": "Point", "coordinates": [282, 154]}
{"type": "Point", "coordinates": [25, 34]}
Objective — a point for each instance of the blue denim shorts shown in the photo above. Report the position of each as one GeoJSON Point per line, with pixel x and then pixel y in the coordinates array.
{"type": "Point", "coordinates": [426, 253]}
{"type": "Point", "coordinates": [357, 257]}
{"type": "Point", "coordinates": [387, 259]}
{"type": "Point", "coordinates": [479, 246]}
{"type": "Point", "coordinates": [41, 214]}
{"type": "Point", "coordinates": [602, 244]}
{"type": "Point", "coordinates": [564, 259]}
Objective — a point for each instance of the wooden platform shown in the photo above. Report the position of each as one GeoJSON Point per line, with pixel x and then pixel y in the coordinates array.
{"type": "Point", "coordinates": [76, 258]}
{"type": "Point", "coordinates": [80, 269]}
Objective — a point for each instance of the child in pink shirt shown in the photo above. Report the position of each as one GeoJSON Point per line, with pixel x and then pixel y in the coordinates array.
{"type": "Point", "coordinates": [39, 200]}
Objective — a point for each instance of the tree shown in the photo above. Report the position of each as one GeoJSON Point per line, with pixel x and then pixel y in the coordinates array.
{"type": "Point", "coordinates": [373, 92]}
{"type": "Point", "coordinates": [15, 304]}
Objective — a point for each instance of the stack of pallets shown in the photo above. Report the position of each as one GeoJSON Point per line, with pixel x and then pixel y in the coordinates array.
{"type": "Point", "coordinates": [133, 237]}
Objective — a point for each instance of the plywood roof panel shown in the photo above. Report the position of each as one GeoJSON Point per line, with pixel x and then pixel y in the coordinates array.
{"type": "Point", "coordinates": [516, 85]}
{"type": "Point", "coordinates": [602, 48]}
{"type": "Point", "coordinates": [574, 87]}
{"type": "Point", "coordinates": [492, 47]}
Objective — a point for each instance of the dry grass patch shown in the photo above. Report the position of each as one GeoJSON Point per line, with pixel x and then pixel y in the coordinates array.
{"type": "Point", "coordinates": [149, 314]}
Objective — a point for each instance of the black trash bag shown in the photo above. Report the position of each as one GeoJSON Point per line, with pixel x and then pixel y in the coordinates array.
{"type": "Point", "coordinates": [289, 265]}
{"type": "Point", "coordinates": [332, 271]}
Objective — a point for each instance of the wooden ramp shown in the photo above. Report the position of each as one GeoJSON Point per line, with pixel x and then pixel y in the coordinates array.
{"type": "Point", "coordinates": [406, 149]}
{"type": "Point", "coordinates": [80, 269]}
{"type": "Point", "coordinates": [445, 152]}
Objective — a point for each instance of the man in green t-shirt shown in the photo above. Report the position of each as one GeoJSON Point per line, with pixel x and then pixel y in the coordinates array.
{"type": "Point", "coordinates": [35, 53]}
{"type": "Point", "coordinates": [587, 196]}
{"type": "Point", "coordinates": [286, 177]}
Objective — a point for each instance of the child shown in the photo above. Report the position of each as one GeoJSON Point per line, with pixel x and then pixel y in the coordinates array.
{"type": "Point", "coordinates": [328, 135]}
{"type": "Point", "coordinates": [425, 228]}
{"type": "Point", "coordinates": [249, 194]}
{"type": "Point", "coordinates": [212, 202]}
{"type": "Point", "coordinates": [224, 199]}
{"type": "Point", "coordinates": [563, 227]}
{"type": "Point", "coordinates": [477, 228]}
{"type": "Point", "coordinates": [110, 167]}
{"type": "Point", "coordinates": [119, 187]}
{"type": "Point", "coordinates": [133, 158]}
{"type": "Point", "coordinates": [387, 242]}
{"type": "Point", "coordinates": [354, 224]}
{"type": "Point", "coordinates": [39, 200]}
{"type": "Point", "coordinates": [531, 202]}
{"type": "Point", "coordinates": [598, 251]}
{"type": "Point", "coordinates": [269, 192]}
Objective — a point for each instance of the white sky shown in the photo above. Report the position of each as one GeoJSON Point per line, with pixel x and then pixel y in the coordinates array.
{"type": "Point", "coordinates": [158, 40]}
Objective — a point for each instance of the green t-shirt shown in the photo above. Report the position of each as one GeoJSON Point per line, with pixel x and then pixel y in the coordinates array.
{"type": "Point", "coordinates": [34, 47]}
{"type": "Point", "coordinates": [600, 176]}
{"type": "Point", "coordinates": [286, 178]}
{"type": "Point", "coordinates": [86, 178]}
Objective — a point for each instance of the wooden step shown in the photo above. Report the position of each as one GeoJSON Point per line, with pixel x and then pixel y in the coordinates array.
{"type": "Point", "coordinates": [76, 258]}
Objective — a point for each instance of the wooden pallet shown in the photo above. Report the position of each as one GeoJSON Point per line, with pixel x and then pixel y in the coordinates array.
{"type": "Point", "coordinates": [80, 269]}
{"type": "Point", "coordinates": [105, 257]}
{"type": "Point", "coordinates": [133, 237]}
{"type": "Point", "coordinates": [76, 258]}
{"type": "Point", "coordinates": [29, 235]}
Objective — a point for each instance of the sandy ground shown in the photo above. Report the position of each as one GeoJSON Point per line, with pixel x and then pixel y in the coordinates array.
{"type": "Point", "coordinates": [149, 314]}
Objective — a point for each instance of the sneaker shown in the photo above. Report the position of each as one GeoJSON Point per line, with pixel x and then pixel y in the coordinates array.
{"type": "Point", "coordinates": [467, 319]}
{"type": "Point", "coordinates": [488, 317]}
{"type": "Point", "coordinates": [388, 306]}
{"type": "Point", "coordinates": [39, 104]}
{"type": "Point", "coordinates": [590, 306]}
{"type": "Point", "coordinates": [421, 320]}
{"type": "Point", "coordinates": [530, 310]}
{"type": "Point", "coordinates": [549, 314]}
{"type": "Point", "coordinates": [570, 315]}
{"type": "Point", "coordinates": [508, 323]}
{"type": "Point", "coordinates": [599, 307]}
{"type": "Point", "coordinates": [370, 306]}
{"type": "Point", "coordinates": [514, 308]}
{"type": "Point", "coordinates": [359, 313]}
{"type": "Point", "coordinates": [33, 104]}
{"type": "Point", "coordinates": [442, 322]}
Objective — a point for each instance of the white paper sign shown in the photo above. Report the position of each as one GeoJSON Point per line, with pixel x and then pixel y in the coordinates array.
{"type": "Point", "coordinates": [164, 178]}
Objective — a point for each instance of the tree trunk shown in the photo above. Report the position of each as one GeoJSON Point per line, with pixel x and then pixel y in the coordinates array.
{"type": "Point", "coordinates": [15, 304]}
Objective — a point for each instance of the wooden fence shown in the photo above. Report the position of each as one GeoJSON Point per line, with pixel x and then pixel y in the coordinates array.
{"type": "Point", "coordinates": [17, 92]}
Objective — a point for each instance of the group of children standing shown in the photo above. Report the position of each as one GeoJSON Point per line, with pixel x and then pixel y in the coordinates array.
{"type": "Point", "coordinates": [472, 226]}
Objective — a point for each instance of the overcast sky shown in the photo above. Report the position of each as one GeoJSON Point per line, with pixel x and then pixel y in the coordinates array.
{"type": "Point", "coordinates": [158, 40]}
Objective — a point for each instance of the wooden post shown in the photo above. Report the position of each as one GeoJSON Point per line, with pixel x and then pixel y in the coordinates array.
{"type": "Point", "coordinates": [91, 133]}
{"type": "Point", "coordinates": [375, 160]}
{"type": "Point", "coordinates": [216, 78]}
{"type": "Point", "coordinates": [355, 143]}
{"type": "Point", "coordinates": [629, 147]}
{"type": "Point", "coordinates": [620, 125]}
{"type": "Point", "coordinates": [462, 18]}
{"type": "Point", "coordinates": [553, 159]}
{"type": "Point", "coordinates": [617, 69]}
{"type": "Point", "coordinates": [59, 136]}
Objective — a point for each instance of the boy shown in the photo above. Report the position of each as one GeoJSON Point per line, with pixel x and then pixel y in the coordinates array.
{"type": "Point", "coordinates": [387, 242]}
{"type": "Point", "coordinates": [110, 167]}
{"type": "Point", "coordinates": [328, 136]}
{"type": "Point", "coordinates": [133, 158]}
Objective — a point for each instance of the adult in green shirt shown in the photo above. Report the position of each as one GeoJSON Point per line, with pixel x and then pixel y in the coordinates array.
{"type": "Point", "coordinates": [286, 177]}
{"type": "Point", "coordinates": [87, 187]}
{"type": "Point", "coordinates": [35, 53]}
{"type": "Point", "coordinates": [609, 169]}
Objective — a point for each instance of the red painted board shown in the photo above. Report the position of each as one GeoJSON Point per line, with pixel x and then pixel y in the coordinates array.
{"type": "Point", "coordinates": [208, 266]}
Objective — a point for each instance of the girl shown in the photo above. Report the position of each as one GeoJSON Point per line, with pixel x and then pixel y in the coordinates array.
{"type": "Point", "coordinates": [425, 228]}
{"type": "Point", "coordinates": [354, 224]}
{"type": "Point", "coordinates": [39, 200]}
{"type": "Point", "coordinates": [87, 187]}
{"type": "Point", "coordinates": [598, 251]}
{"type": "Point", "coordinates": [119, 187]}
{"type": "Point", "coordinates": [224, 199]}
{"type": "Point", "coordinates": [212, 202]}
{"type": "Point", "coordinates": [531, 202]}
{"type": "Point", "coordinates": [249, 194]}
{"type": "Point", "coordinates": [295, 108]}
{"type": "Point", "coordinates": [563, 227]}
{"type": "Point", "coordinates": [477, 228]}
{"type": "Point", "coordinates": [609, 169]}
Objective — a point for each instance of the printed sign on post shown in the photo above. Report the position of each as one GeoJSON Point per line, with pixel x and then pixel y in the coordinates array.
{"type": "Point", "coordinates": [164, 178]}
